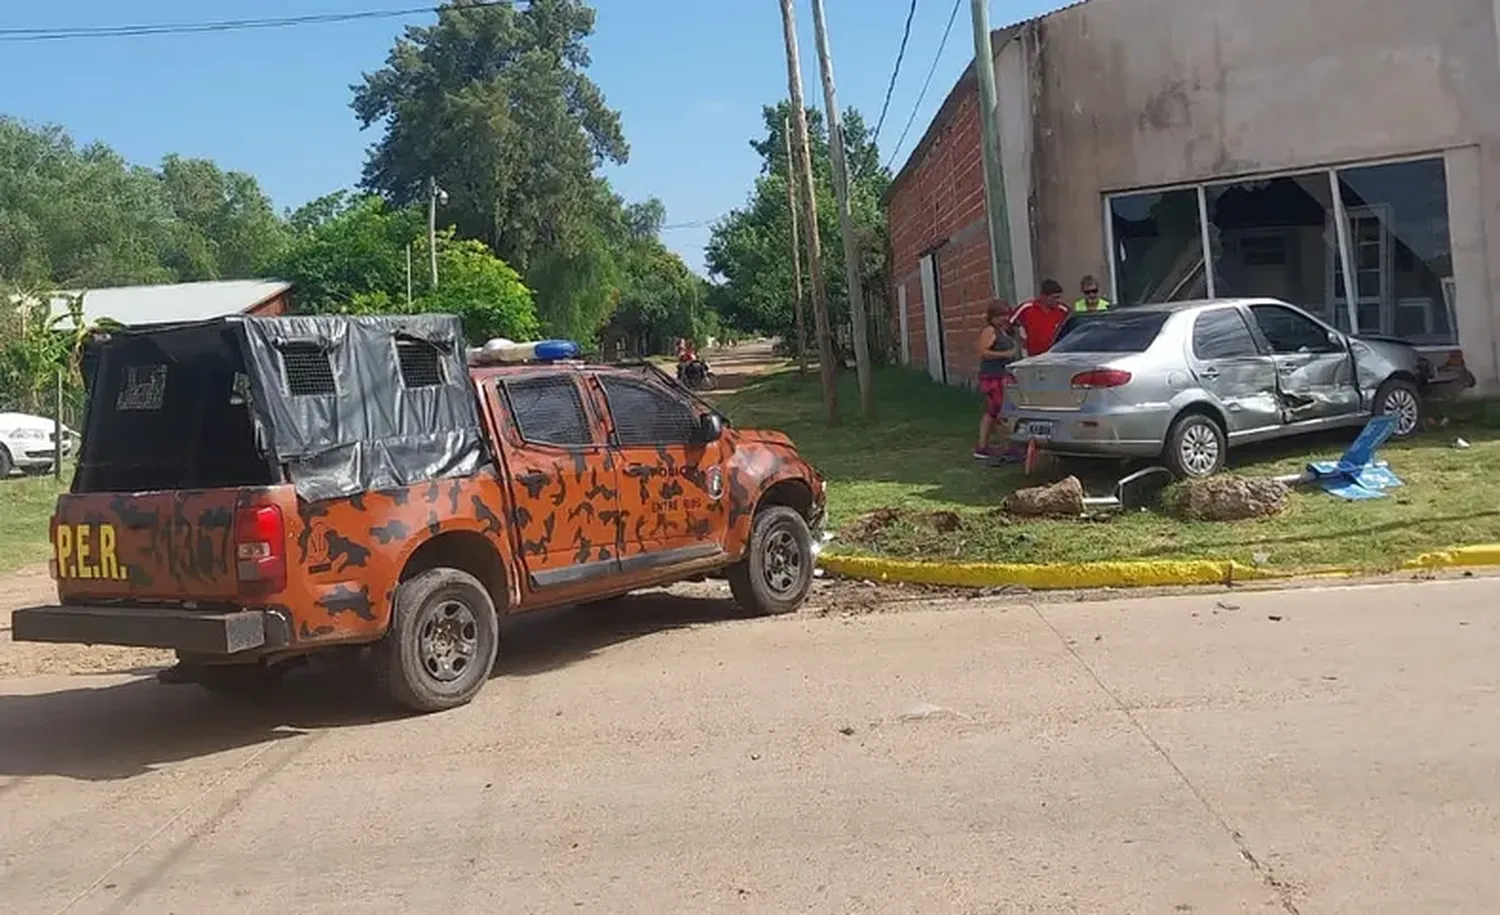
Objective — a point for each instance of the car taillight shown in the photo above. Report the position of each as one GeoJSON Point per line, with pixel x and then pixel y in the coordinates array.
{"type": "Point", "coordinates": [260, 549]}
{"type": "Point", "coordinates": [1101, 378]}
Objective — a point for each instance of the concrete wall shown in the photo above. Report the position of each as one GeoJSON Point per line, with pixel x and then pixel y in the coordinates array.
{"type": "Point", "coordinates": [1135, 93]}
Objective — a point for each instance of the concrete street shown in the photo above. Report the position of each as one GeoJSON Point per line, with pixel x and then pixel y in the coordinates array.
{"type": "Point", "coordinates": [1313, 751]}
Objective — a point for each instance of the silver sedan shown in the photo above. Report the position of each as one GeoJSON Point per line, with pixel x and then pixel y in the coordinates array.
{"type": "Point", "coordinates": [1186, 381]}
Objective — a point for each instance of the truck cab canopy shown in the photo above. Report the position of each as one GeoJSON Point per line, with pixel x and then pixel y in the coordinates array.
{"type": "Point", "coordinates": [335, 404]}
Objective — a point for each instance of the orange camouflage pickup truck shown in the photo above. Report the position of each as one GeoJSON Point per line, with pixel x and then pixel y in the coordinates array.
{"type": "Point", "coordinates": [254, 491]}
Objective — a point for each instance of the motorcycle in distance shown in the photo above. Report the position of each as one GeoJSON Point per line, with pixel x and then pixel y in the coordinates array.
{"type": "Point", "coordinates": [694, 374]}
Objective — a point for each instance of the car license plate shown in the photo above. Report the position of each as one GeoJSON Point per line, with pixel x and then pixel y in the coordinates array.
{"type": "Point", "coordinates": [1035, 428]}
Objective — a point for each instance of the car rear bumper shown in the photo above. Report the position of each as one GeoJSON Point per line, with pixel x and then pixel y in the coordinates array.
{"type": "Point", "coordinates": [189, 631]}
{"type": "Point", "coordinates": [1090, 434]}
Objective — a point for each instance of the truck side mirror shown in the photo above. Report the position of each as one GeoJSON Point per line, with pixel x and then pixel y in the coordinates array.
{"type": "Point", "coordinates": [710, 427]}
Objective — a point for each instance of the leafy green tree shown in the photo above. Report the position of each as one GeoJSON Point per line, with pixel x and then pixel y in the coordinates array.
{"type": "Point", "coordinates": [225, 224]}
{"type": "Point", "coordinates": [83, 217]}
{"type": "Point", "coordinates": [348, 255]}
{"type": "Point", "coordinates": [749, 250]}
{"type": "Point", "coordinates": [493, 103]}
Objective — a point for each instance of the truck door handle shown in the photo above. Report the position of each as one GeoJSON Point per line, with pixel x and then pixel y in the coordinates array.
{"type": "Point", "coordinates": [1286, 369]}
{"type": "Point", "coordinates": [1211, 373]}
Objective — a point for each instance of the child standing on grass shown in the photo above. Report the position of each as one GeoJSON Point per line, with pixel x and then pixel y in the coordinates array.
{"type": "Point", "coordinates": [996, 351]}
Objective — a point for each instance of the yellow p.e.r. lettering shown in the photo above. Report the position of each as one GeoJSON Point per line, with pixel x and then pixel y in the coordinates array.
{"type": "Point", "coordinates": [75, 545]}
{"type": "Point", "coordinates": [81, 547]}
{"type": "Point", "coordinates": [64, 536]}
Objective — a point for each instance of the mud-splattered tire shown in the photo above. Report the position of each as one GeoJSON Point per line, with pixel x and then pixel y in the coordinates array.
{"type": "Point", "coordinates": [442, 642]}
{"type": "Point", "coordinates": [240, 681]}
{"type": "Point", "coordinates": [777, 569]}
{"type": "Point", "coordinates": [6, 464]}
{"type": "Point", "coordinates": [1402, 398]}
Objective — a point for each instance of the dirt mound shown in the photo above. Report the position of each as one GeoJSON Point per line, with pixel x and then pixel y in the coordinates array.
{"type": "Point", "coordinates": [1061, 499]}
{"type": "Point", "coordinates": [869, 526]}
{"type": "Point", "coordinates": [1226, 498]}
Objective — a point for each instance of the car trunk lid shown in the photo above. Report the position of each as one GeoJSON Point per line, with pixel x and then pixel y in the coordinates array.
{"type": "Point", "coordinates": [1047, 382]}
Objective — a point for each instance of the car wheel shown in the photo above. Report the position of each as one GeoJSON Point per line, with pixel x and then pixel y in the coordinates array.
{"type": "Point", "coordinates": [1401, 398]}
{"type": "Point", "coordinates": [6, 464]}
{"type": "Point", "coordinates": [442, 642]}
{"type": "Point", "coordinates": [777, 570]}
{"type": "Point", "coordinates": [1196, 447]}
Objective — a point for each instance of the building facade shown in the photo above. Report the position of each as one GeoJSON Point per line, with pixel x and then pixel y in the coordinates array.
{"type": "Point", "coordinates": [1343, 156]}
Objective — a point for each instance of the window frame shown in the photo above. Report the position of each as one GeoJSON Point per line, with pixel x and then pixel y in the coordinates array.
{"type": "Point", "coordinates": [614, 426]}
{"type": "Point", "coordinates": [590, 418]}
{"type": "Point", "coordinates": [1344, 245]}
{"type": "Point", "coordinates": [1342, 349]}
{"type": "Point", "coordinates": [1258, 344]}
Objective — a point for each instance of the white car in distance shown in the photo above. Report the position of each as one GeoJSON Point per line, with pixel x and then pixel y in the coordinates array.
{"type": "Point", "coordinates": [26, 443]}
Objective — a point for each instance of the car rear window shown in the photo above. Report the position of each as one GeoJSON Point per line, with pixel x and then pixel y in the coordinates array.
{"type": "Point", "coordinates": [1111, 332]}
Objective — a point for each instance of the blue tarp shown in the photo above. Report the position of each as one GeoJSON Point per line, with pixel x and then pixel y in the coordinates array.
{"type": "Point", "coordinates": [1357, 475]}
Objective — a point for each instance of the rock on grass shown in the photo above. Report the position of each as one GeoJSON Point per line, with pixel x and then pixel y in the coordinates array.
{"type": "Point", "coordinates": [1226, 498]}
{"type": "Point", "coordinates": [1061, 499]}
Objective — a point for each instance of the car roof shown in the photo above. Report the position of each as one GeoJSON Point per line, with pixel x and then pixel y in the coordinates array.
{"type": "Point", "coordinates": [1193, 305]}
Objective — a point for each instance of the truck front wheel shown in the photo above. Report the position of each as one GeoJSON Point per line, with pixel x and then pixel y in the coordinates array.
{"type": "Point", "coordinates": [442, 642]}
{"type": "Point", "coordinates": [777, 569]}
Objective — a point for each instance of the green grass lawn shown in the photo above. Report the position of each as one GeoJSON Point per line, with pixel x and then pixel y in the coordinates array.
{"type": "Point", "coordinates": [916, 457]}
{"type": "Point", "coordinates": [25, 510]}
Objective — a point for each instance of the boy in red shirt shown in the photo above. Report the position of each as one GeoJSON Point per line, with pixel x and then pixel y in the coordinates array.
{"type": "Point", "coordinates": [1039, 319]}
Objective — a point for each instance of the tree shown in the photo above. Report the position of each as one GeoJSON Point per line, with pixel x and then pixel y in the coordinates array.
{"type": "Point", "coordinates": [493, 102]}
{"type": "Point", "coordinates": [749, 250]}
{"type": "Point", "coordinates": [225, 224]}
{"type": "Point", "coordinates": [348, 256]}
{"type": "Point", "coordinates": [84, 217]}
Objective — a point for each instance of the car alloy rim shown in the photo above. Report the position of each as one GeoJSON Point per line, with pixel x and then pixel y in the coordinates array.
{"type": "Point", "coordinates": [448, 640]}
{"type": "Point", "coordinates": [1199, 449]}
{"type": "Point", "coordinates": [782, 565]}
{"type": "Point", "coordinates": [1401, 402]}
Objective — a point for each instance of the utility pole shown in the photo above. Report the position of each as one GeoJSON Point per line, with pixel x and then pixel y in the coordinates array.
{"type": "Point", "coordinates": [435, 195]}
{"type": "Point", "coordinates": [1002, 276]}
{"type": "Point", "coordinates": [861, 325]}
{"type": "Point", "coordinates": [408, 276]}
{"type": "Point", "coordinates": [791, 206]}
{"type": "Point", "coordinates": [826, 368]}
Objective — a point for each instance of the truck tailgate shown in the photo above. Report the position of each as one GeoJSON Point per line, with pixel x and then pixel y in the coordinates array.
{"type": "Point", "coordinates": [175, 545]}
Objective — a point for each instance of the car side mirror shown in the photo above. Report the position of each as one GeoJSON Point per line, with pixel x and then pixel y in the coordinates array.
{"type": "Point", "coordinates": [710, 427]}
{"type": "Point", "coordinates": [1335, 339]}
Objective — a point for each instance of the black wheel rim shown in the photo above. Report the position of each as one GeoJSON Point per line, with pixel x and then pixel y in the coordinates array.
{"type": "Point", "coordinates": [781, 562]}
{"type": "Point", "coordinates": [447, 640]}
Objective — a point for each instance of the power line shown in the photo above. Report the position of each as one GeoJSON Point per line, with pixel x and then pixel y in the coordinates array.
{"type": "Point", "coordinates": [225, 25]}
{"type": "Point", "coordinates": [890, 88]}
{"type": "Point", "coordinates": [926, 83]}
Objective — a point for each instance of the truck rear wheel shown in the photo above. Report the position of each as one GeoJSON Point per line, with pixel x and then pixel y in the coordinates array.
{"type": "Point", "coordinates": [777, 570]}
{"type": "Point", "coordinates": [442, 642]}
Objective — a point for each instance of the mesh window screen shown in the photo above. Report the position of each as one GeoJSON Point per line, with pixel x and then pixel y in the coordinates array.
{"type": "Point", "coordinates": [421, 364]}
{"type": "Point", "coordinates": [309, 372]}
{"type": "Point", "coordinates": [549, 411]}
{"type": "Point", "coordinates": [646, 414]}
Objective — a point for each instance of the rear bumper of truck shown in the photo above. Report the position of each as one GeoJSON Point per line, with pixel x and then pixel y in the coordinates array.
{"type": "Point", "coordinates": [195, 632]}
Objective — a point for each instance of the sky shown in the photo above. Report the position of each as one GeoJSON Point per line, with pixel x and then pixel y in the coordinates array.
{"type": "Point", "coordinates": [689, 78]}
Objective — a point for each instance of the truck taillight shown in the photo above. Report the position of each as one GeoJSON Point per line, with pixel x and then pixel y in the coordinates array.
{"type": "Point", "coordinates": [1101, 378]}
{"type": "Point", "coordinates": [260, 549]}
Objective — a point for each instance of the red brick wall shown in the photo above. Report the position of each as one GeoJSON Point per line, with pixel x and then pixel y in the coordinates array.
{"type": "Point", "coordinates": [941, 202]}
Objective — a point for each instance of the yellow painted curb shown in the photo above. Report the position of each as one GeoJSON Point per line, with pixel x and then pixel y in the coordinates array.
{"type": "Point", "coordinates": [1484, 554]}
{"type": "Point", "coordinates": [1058, 576]}
{"type": "Point", "coordinates": [1138, 574]}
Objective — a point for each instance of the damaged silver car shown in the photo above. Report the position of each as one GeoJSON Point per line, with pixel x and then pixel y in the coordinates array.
{"type": "Point", "coordinates": [1187, 381]}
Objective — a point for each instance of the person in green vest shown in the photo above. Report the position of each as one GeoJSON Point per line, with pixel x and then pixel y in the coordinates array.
{"type": "Point", "coordinates": [1092, 300]}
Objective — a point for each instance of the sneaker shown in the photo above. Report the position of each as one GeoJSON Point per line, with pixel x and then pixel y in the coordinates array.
{"type": "Point", "coordinates": [983, 454]}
